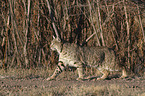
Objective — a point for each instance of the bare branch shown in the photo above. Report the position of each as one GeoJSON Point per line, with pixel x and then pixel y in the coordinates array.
{"type": "Point", "coordinates": [52, 20]}
{"type": "Point", "coordinates": [141, 23]}
{"type": "Point", "coordinates": [108, 18]}
{"type": "Point", "coordinates": [90, 9]}
{"type": "Point", "coordinates": [128, 32]}
{"type": "Point", "coordinates": [13, 34]}
{"type": "Point", "coordinates": [101, 30]}
{"type": "Point", "coordinates": [26, 32]}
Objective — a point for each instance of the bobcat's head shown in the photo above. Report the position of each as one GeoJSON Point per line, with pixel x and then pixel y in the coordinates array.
{"type": "Point", "coordinates": [56, 44]}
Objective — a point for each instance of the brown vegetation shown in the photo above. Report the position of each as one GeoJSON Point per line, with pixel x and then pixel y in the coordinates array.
{"type": "Point", "coordinates": [27, 28]}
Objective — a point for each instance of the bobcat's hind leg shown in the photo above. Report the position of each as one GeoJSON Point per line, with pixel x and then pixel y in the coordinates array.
{"type": "Point", "coordinates": [80, 73]}
{"type": "Point", "coordinates": [60, 67]}
{"type": "Point", "coordinates": [105, 74]}
{"type": "Point", "coordinates": [124, 73]}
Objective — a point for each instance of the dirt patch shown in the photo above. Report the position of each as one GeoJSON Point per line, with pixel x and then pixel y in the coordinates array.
{"type": "Point", "coordinates": [32, 82]}
{"type": "Point", "coordinates": [40, 86]}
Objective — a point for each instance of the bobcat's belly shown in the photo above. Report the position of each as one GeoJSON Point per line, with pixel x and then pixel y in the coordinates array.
{"type": "Point", "coordinates": [68, 62]}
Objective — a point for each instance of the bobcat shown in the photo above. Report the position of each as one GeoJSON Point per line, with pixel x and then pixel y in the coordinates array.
{"type": "Point", "coordinates": [77, 56]}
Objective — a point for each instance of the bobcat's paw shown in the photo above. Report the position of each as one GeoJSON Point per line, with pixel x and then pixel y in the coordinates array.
{"type": "Point", "coordinates": [122, 77]}
{"type": "Point", "coordinates": [100, 78]}
{"type": "Point", "coordinates": [49, 79]}
{"type": "Point", "coordinates": [80, 79]}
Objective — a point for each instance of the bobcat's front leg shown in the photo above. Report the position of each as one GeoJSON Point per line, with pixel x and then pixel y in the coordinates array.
{"type": "Point", "coordinates": [60, 67]}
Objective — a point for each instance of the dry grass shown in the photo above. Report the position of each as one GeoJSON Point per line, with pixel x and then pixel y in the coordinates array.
{"type": "Point", "coordinates": [43, 73]}
{"type": "Point", "coordinates": [22, 73]}
{"type": "Point", "coordinates": [120, 26]}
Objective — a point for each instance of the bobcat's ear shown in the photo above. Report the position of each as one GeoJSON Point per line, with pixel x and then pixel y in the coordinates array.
{"type": "Point", "coordinates": [57, 38]}
{"type": "Point", "coordinates": [53, 37]}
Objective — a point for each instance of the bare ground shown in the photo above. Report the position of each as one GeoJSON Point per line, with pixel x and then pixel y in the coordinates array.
{"type": "Point", "coordinates": [36, 85]}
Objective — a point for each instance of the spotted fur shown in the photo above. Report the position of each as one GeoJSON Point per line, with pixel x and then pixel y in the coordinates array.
{"type": "Point", "coordinates": [73, 55]}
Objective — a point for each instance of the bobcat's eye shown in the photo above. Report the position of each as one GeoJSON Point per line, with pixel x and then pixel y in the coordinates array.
{"type": "Point", "coordinates": [52, 46]}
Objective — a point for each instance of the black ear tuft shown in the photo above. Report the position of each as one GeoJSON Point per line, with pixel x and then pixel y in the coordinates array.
{"type": "Point", "coordinates": [58, 39]}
